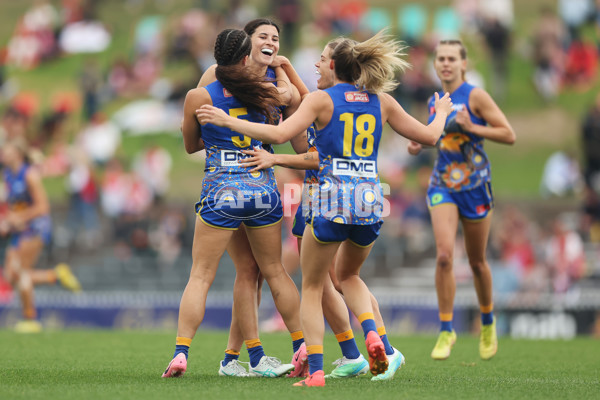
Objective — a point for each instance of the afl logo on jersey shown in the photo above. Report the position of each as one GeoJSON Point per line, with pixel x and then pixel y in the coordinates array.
{"type": "Point", "coordinates": [227, 93]}
{"type": "Point", "coordinates": [353, 97]}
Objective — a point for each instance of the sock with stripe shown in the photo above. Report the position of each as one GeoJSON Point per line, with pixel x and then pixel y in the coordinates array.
{"type": "Point", "coordinates": [348, 344]}
{"type": "Point", "coordinates": [367, 321]}
{"type": "Point", "coordinates": [229, 356]}
{"type": "Point", "coordinates": [255, 351]}
{"type": "Point", "coordinates": [487, 314]}
{"type": "Point", "coordinates": [297, 340]}
{"type": "Point", "coordinates": [315, 358]}
{"type": "Point", "coordinates": [389, 350]}
{"type": "Point", "coordinates": [446, 322]}
{"type": "Point", "coordinates": [182, 345]}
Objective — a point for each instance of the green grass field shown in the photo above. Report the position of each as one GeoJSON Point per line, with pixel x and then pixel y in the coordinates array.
{"type": "Point", "coordinates": [128, 365]}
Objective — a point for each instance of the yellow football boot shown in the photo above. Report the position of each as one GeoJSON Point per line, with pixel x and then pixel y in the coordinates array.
{"type": "Point", "coordinates": [66, 278]}
{"type": "Point", "coordinates": [443, 346]}
{"type": "Point", "coordinates": [488, 341]}
{"type": "Point", "coordinates": [28, 326]}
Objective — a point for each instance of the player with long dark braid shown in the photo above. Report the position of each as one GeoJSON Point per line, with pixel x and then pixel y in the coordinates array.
{"type": "Point", "coordinates": [347, 214]}
{"type": "Point", "coordinates": [231, 195]}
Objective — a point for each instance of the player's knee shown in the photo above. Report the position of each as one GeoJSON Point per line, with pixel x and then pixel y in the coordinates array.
{"type": "Point", "coordinates": [248, 274]}
{"type": "Point", "coordinates": [202, 276]}
{"type": "Point", "coordinates": [25, 282]}
{"type": "Point", "coordinates": [444, 260]}
{"type": "Point", "coordinates": [273, 271]}
{"type": "Point", "coordinates": [478, 266]}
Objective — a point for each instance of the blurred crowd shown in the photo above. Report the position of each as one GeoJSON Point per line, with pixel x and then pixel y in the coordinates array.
{"type": "Point", "coordinates": [117, 200]}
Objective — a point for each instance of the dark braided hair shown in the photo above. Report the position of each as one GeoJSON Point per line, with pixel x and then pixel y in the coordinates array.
{"type": "Point", "coordinates": [231, 46]}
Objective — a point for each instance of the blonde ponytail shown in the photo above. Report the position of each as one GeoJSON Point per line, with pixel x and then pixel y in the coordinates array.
{"type": "Point", "coordinates": [371, 65]}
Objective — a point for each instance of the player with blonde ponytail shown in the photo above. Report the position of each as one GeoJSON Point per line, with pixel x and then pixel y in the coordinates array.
{"type": "Point", "coordinates": [347, 206]}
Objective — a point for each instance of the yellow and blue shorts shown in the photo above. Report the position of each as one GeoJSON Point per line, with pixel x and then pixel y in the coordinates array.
{"type": "Point", "coordinates": [473, 204]}
{"type": "Point", "coordinates": [299, 222]}
{"type": "Point", "coordinates": [326, 231]}
{"type": "Point", "coordinates": [38, 227]}
{"type": "Point", "coordinates": [230, 213]}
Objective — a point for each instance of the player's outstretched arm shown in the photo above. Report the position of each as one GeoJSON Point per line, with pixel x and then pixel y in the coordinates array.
{"type": "Point", "coordinates": [407, 126]}
{"type": "Point", "coordinates": [277, 134]}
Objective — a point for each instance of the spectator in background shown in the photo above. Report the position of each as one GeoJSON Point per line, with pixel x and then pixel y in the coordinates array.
{"type": "Point", "coordinates": [514, 242]}
{"type": "Point", "coordinates": [581, 67]}
{"type": "Point", "coordinates": [288, 14]}
{"type": "Point", "coordinates": [590, 145]}
{"type": "Point", "coordinates": [574, 13]}
{"type": "Point", "coordinates": [597, 23]}
{"type": "Point", "coordinates": [90, 83]}
{"type": "Point", "coordinates": [100, 139]}
{"type": "Point", "coordinates": [82, 219]}
{"type": "Point", "coordinates": [153, 165]}
{"type": "Point", "coordinates": [561, 176]}
{"type": "Point", "coordinates": [548, 42]}
{"type": "Point", "coordinates": [412, 23]}
{"type": "Point", "coordinates": [564, 254]}
{"type": "Point", "coordinates": [497, 37]}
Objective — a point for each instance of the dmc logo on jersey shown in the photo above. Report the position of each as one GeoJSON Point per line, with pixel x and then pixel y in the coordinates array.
{"type": "Point", "coordinates": [230, 158]}
{"type": "Point", "coordinates": [357, 96]}
{"type": "Point", "coordinates": [360, 168]}
{"type": "Point", "coordinates": [227, 93]}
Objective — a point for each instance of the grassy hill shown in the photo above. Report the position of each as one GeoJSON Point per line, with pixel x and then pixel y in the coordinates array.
{"type": "Point", "coordinates": [541, 128]}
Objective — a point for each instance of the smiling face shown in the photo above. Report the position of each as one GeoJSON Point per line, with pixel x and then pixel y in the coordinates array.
{"type": "Point", "coordinates": [449, 65]}
{"type": "Point", "coordinates": [325, 69]}
{"type": "Point", "coordinates": [265, 44]}
{"type": "Point", "coordinates": [11, 156]}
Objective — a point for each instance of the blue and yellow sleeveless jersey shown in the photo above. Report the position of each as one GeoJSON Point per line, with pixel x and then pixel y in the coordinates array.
{"type": "Point", "coordinates": [223, 173]}
{"type": "Point", "coordinates": [19, 199]}
{"type": "Point", "coordinates": [349, 187]}
{"type": "Point", "coordinates": [462, 163]}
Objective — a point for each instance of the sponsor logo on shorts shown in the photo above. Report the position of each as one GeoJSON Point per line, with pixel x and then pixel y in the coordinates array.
{"type": "Point", "coordinates": [437, 198]}
{"type": "Point", "coordinates": [482, 209]}
{"type": "Point", "coordinates": [258, 200]}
